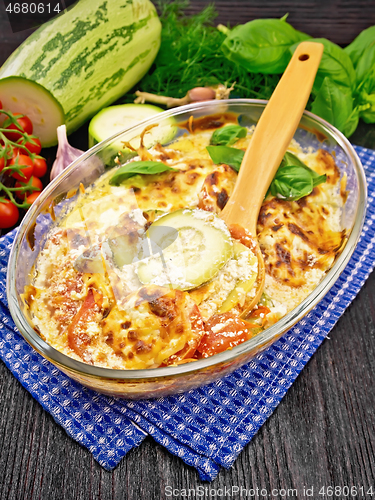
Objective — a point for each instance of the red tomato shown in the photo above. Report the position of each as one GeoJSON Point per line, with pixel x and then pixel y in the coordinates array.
{"type": "Point", "coordinates": [27, 167]}
{"type": "Point", "coordinates": [260, 313]}
{"type": "Point", "coordinates": [35, 182]}
{"type": "Point", "coordinates": [19, 151]}
{"type": "Point", "coordinates": [8, 214]}
{"type": "Point", "coordinates": [15, 152]}
{"type": "Point", "coordinates": [2, 163]}
{"type": "Point", "coordinates": [232, 331]}
{"type": "Point", "coordinates": [40, 167]}
{"type": "Point", "coordinates": [32, 197]}
{"type": "Point", "coordinates": [24, 125]}
{"type": "Point", "coordinates": [33, 145]}
{"type": "Point", "coordinates": [242, 235]}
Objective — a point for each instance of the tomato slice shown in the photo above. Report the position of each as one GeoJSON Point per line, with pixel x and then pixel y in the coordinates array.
{"type": "Point", "coordinates": [260, 313]}
{"type": "Point", "coordinates": [197, 329]}
{"type": "Point", "coordinates": [223, 331]}
{"type": "Point", "coordinates": [78, 339]}
{"type": "Point", "coordinates": [256, 313]}
{"type": "Point", "coordinates": [243, 236]}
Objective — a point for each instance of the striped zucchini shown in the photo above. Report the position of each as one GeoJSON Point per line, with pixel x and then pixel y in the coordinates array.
{"type": "Point", "coordinates": [83, 60]}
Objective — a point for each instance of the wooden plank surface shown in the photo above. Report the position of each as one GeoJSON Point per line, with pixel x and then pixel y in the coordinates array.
{"type": "Point", "coordinates": [339, 20]}
{"type": "Point", "coordinates": [323, 432]}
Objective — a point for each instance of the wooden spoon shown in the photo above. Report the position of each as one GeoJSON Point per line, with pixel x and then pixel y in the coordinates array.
{"type": "Point", "coordinates": [272, 136]}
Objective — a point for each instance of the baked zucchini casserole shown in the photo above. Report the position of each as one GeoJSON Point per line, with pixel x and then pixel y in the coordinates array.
{"type": "Point", "coordinates": [142, 272]}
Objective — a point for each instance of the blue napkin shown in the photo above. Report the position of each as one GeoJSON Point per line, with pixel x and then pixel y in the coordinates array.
{"type": "Point", "coordinates": [206, 427]}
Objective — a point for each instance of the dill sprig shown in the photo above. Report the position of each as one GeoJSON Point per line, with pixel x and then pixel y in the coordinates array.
{"type": "Point", "coordinates": [190, 56]}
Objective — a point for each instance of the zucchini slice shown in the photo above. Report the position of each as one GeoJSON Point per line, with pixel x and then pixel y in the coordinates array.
{"type": "Point", "coordinates": [114, 119]}
{"type": "Point", "coordinates": [20, 95]}
{"type": "Point", "coordinates": [185, 260]}
{"type": "Point", "coordinates": [238, 294]}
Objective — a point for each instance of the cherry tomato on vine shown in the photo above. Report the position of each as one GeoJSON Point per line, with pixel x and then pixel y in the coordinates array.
{"type": "Point", "coordinates": [2, 163]}
{"type": "Point", "coordinates": [33, 145]}
{"type": "Point", "coordinates": [35, 182]}
{"type": "Point", "coordinates": [18, 151]}
{"type": "Point", "coordinates": [40, 167]}
{"type": "Point", "coordinates": [27, 167]}
{"type": "Point", "coordinates": [4, 160]}
{"type": "Point", "coordinates": [32, 197]}
{"type": "Point", "coordinates": [8, 214]}
{"type": "Point", "coordinates": [15, 152]}
{"type": "Point", "coordinates": [24, 123]}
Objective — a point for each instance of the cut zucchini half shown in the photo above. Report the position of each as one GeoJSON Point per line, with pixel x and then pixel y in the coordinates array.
{"type": "Point", "coordinates": [20, 95]}
{"type": "Point", "coordinates": [114, 119]}
{"type": "Point", "coordinates": [184, 261]}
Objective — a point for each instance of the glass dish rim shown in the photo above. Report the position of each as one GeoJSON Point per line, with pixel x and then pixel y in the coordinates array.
{"type": "Point", "coordinates": [263, 339]}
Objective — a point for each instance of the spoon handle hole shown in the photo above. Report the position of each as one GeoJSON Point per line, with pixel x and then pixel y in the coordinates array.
{"type": "Point", "coordinates": [304, 57]}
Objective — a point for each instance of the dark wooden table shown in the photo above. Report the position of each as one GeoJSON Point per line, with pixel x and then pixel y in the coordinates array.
{"type": "Point", "coordinates": [323, 432]}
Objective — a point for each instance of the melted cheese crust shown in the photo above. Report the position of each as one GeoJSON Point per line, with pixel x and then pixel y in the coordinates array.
{"type": "Point", "coordinates": [93, 308]}
{"type": "Point", "coordinates": [301, 239]}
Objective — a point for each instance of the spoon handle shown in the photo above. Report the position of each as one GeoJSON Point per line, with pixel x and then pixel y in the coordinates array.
{"type": "Point", "coordinates": [272, 136]}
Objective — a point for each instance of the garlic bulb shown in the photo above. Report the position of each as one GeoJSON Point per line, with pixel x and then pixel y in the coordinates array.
{"type": "Point", "coordinates": [66, 154]}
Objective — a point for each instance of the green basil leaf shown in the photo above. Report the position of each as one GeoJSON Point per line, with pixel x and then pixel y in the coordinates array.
{"type": "Point", "coordinates": [336, 64]}
{"type": "Point", "coordinates": [226, 136]}
{"type": "Point", "coordinates": [262, 45]}
{"type": "Point", "coordinates": [366, 68]}
{"type": "Point", "coordinates": [138, 167]}
{"type": "Point", "coordinates": [333, 105]}
{"type": "Point", "coordinates": [224, 154]}
{"type": "Point", "coordinates": [367, 85]}
{"type": "Point", "coordinates": [360, 44]}
{"type": "Point", "coordinates": [291, 183]}
{"type": "Point", "coordinates": [352, 121]}
{"type": "Point", "coordinates": [294, 179]}
{"type": "Point", "coordinates": [291, 159]}
{"type": "Point", "coordinates": [367, 113]}
{"type": "Point", "coordinates": [317, 179]}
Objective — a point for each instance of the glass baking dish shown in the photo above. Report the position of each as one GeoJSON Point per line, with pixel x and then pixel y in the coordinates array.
{"type": "Point", "coordinates": [58, 196]}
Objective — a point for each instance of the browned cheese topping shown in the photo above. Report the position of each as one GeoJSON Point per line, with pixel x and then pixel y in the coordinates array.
{"type": "Point", "coordinates": [297, 236]}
